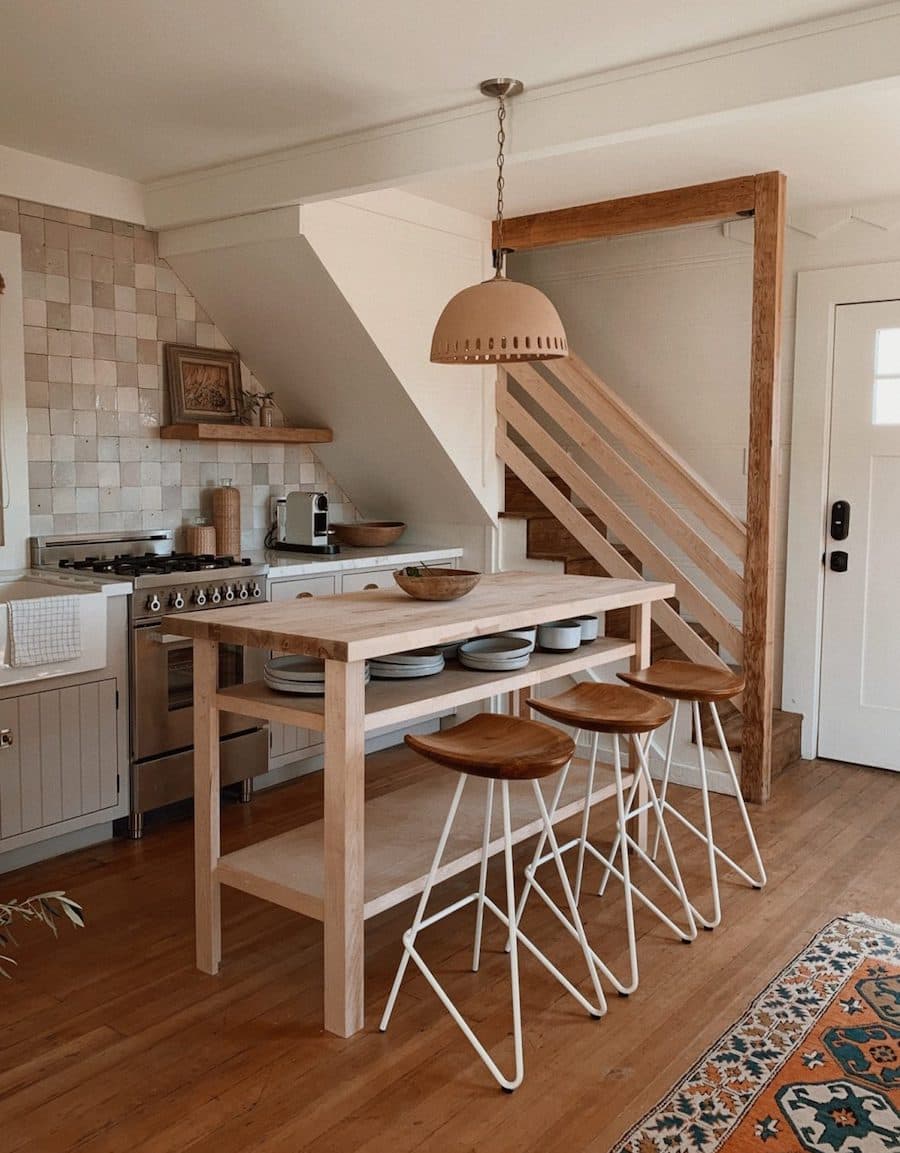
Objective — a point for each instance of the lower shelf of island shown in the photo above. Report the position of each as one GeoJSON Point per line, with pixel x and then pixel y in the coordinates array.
{"type": "Point", "coordinates": [402, 831]}
{"type": "Point", "coordinates": [398, 701]}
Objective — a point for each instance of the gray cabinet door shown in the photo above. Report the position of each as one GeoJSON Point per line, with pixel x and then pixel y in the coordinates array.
{"type": "Point", "coordinates": [60, 758]}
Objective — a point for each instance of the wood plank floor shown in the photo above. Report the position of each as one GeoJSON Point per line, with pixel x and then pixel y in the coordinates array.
{"type": "Point", "coordinates": [110, 1041]}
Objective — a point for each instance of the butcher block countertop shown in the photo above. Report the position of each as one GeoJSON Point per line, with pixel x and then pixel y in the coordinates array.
{"type": "Point", "coordinates": [359, 626]}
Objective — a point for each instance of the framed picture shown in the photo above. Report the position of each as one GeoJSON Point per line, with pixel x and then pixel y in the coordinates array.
{"type": "Point", "coordinates": [204, 385]}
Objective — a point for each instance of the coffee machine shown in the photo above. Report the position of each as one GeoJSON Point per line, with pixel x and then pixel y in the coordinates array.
{"type": "Point", "coordinates": [301, 523]}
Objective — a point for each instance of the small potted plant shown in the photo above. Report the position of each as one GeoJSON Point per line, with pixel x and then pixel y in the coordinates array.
{"type": "Point", "coordinates": [45, 907]}
{"type": "Point", "coordinates": [257, 408]}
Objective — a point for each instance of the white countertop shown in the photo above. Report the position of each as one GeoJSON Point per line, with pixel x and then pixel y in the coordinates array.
{"type": "Point", "coordinates": [78, 581]}
{"type": "Point", "coordinates": [294, 564]}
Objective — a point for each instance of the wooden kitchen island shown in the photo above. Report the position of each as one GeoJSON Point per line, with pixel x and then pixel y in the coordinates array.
{"type": "Point", "coordinates": [364, 858]}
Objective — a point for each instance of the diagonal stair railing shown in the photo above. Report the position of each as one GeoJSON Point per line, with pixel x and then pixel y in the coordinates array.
{"type": "Point", "coordinates": [566, 417]}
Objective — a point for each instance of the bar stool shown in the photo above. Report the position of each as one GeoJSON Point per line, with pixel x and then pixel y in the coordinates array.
{"type": "Point", "coordinates": [701, 684]}
{"type": "Point", "coordinates": [619, 712]}
{"type": "Point", "coordinates": [498, 748]}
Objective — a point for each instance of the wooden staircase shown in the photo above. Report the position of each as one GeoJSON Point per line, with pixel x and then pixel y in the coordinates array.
{"type": "Point", "coordinates": [547, 539]}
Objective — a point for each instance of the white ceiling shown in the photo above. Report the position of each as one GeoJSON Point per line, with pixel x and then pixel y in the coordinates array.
{"type": "Point", "coordinates": [838, 147]}
{"type": "Point", "coordinates": [146, 88]}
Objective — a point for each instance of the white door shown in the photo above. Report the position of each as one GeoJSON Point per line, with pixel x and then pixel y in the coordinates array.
{"type": "Point", "coordinates": [859, 718]}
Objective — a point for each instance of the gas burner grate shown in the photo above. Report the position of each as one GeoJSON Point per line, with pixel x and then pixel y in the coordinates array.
{"type": "Point", "coordinates": [155, 563]}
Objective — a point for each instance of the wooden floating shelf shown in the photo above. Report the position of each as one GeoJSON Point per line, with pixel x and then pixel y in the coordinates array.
{"type": "Point", "coordinates": [246, 432]}
{"type": "Point", "coordinates": [394, 702]}
{"type": "Point", "coordinates": [402, 829]}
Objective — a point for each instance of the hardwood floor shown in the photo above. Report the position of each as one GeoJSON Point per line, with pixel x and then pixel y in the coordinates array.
{"type": "Point", "coordinates": [110, 1041]}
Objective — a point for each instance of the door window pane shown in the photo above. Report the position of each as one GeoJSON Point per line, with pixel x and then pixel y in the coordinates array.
{"type": "Point", "coordinates": [887, 352]}
{"type": "Point", "coordinates": [887, 400]}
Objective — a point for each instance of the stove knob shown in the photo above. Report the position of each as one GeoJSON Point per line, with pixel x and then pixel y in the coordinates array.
{"type": "Point", "coordinates": [244, 593]}
{"type": "Point", "coordinates": [153, 604]}
{"type": "Point", "coordinates": [176, 600]}
{"type": "Point", "coordinates": [255, 590]}
{"type": "Point", "coordinates": [199, 597]}
{"type": "Point", "coordinates": [215, 595]}
{"type": "Point", "coordinates": [229, 592]}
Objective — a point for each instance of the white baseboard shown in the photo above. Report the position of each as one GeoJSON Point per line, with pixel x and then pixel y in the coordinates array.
{"type": "Point", "coordinates": [55, 847]}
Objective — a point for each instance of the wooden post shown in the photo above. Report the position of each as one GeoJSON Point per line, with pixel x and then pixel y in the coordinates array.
{"type": "Point", "coordinates": [344, 846]}
{"type": "Point", "coordinates": [762, 471]}
{"type": "Point", "coordinates": [207, 894]}
{"type": "Point", "coordinates": [639, 632]}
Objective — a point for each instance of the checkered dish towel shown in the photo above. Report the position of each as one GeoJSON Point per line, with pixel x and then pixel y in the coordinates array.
{"type": "Point", "coordinates": [44, 630]}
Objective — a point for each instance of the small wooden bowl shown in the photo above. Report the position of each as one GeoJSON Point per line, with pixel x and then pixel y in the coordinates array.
{"type": "Point", "coordinates": [437, 584]}
{"type": "Point", "coordinates": [369, 534]}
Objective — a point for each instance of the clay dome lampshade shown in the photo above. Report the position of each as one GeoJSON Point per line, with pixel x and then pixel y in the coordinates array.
{"type": "Point", "coordinates": [498, 321]}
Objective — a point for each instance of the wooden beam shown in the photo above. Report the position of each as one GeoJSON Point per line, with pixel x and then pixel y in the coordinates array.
{"type": "Point", "coordinates": [759, 570]}
{"type": "Point", "coordinates": [666, 209]}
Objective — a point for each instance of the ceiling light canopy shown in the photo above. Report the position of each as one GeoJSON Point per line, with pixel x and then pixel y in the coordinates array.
{"type": "Point", "coordinates": [498, 320]}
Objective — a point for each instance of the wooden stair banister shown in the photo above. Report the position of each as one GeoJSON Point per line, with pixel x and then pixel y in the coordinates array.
{"type": "Point", "coordinates": [614, 465]}
{"type": "Point", "coordinates": [693, 646]}
{"type": "Point", "coordinates": [637, 436]}
{"type": "Point", "coordinates": [621, 524]}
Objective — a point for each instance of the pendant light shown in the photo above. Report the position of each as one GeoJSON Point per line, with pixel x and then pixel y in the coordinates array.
{"type": "Point", "coordinates": [498, 320]}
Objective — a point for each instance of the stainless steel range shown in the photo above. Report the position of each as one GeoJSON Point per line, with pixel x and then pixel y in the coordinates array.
{"type": "Point", "coordinates": [161, 664]}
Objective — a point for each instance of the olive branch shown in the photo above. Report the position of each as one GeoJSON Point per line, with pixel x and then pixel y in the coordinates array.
{"type": "Point", "coordinates": [48, 908]}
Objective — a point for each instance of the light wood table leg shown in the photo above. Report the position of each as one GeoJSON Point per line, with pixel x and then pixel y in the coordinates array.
{"type": "Point", "coordinates": [207, 895]}
{"type": "Point", "coordinates": [640, 634]}
{"type": "Point", "coordinates": [344, 847]}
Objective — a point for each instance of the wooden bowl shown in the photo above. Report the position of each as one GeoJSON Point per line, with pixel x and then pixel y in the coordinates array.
{"type": "Point", "coordinates": [436, 584]}
{"type": "Point", "coordinates": [369, 534]}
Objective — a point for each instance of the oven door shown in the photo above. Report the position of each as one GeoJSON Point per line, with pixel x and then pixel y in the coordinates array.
{"type": "Point", "coordinates": [163, 698]}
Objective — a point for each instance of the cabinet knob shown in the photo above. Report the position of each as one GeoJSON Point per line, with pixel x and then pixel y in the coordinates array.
{"type": "Point", "coordinates": [369, 586]}
{"type": "Point", "coordinates": [302, 596]}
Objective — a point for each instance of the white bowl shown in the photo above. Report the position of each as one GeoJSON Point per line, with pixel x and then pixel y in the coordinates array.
{"type": "Point", "coordinates": [560, 636]}
{"type": "Point", "coordinates": [590, 628]}
{"type": "Point", "coordinates": [528, 633]}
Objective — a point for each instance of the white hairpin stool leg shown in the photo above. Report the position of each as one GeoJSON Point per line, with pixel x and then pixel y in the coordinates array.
{"type": "Point", "coordinates": [586, 815]}
{"type": "Point", "coordinates": [482, 876]}
{"type": "Point", "coordinates": [759, 881]}
{"type": "Point", "coordinates": [667, 768]}
{"type": "Point", "coordinates": [707, 824]}
{"type": "Point", "coordinates": [409, 936]}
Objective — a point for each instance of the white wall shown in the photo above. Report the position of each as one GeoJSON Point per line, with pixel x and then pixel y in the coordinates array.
{"type": "Point", "coordinates": [398, 259]}
{"type": "Point", "coordinates": [664, 318]}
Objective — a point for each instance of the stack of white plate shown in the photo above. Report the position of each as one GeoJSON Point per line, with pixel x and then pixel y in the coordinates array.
{"type": "Point", "coordinates": [449, 649]}
{"type": "Point", "coordinates": [304, 675]}
{"type": "Point", "coordinates": [496, 654]}
{"type": "Point", "coordinates": [403, 666]}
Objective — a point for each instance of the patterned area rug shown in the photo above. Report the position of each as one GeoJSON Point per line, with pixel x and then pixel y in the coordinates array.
{"type": "Point", "coordinates": [813, 1066]}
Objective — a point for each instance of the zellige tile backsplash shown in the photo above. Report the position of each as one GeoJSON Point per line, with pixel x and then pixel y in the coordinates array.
{"type": "Point", "coordinates": [99, 307]}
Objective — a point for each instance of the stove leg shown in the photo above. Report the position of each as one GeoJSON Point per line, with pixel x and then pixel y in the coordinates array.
{"type": "Point", "coordinates": [135, 826]}
{"type": "Point", "coordinates": [247, 791]}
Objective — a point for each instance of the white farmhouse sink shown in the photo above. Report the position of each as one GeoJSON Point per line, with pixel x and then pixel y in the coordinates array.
{"type": "Point", "coordinates": [92, 611]}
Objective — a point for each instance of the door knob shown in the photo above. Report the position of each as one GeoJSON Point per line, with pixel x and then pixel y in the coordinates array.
{"type": "Point", "coordinates": [838, 561]}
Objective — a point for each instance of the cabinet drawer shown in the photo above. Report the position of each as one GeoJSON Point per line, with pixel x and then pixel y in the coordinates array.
{"type": "Point", "coordinates": [61, 759]}
{"type": "Point", "coordinates": [286, 590]}
{"type": "Point", "coordinates": [354, 582]}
